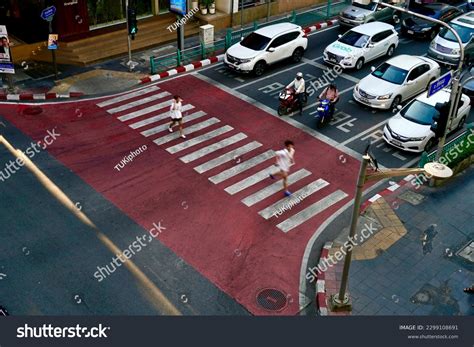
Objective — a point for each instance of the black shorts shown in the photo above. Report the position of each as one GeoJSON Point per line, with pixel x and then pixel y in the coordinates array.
{"type": "Point", "coordinates": [179, 120]}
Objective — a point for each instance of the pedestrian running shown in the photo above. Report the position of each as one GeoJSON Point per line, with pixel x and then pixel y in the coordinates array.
{"type": "Point", "coordinates": [285, 158]}
{"type": "Point", "coordinates": [176, 115]}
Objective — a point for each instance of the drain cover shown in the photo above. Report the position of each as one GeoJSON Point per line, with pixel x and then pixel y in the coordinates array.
{"type": "Point", "coordinates": [272, 299]}
{"type": "Point", "coordinates": [412, 197]}
{"type": "Point", "coordinates": [32, 111]}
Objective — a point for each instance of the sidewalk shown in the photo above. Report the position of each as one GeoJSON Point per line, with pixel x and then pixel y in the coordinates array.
{"type": "Point", "coordinates": [112, 75]}
{"type": "Point", "coordinates": [420, 257]}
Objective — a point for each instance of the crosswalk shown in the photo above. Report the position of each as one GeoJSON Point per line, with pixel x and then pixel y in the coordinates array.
{"type": "Point", "coordinates": [218, 144]}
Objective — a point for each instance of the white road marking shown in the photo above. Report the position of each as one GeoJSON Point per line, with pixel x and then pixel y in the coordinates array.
{"type": "Point", "coordinates": [163, 127]}
{"type": "Point", "coordinates": [311, 211]}
{"type": "Point", "coordinates": [188, 130]}
{"type": "Point", "coordinates": [211, 164]}
{"type": "Point", "coordinates": [213, 147]}
{"type": "Point", "coordinates": [128, 96]}
{"type": "Point", "coordinates": [251, 180]}
{"type": "Point", "coordinates": [324, 67]}
{"type": "Point", "coordinates": [199, 139]}
{"type": "Point", "coordinates": [139, 102]}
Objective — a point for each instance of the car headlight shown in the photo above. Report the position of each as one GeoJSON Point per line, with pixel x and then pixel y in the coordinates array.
{"type": "Point", "coordinates": [356, 88]}
{"type": "Point", "coordinates": [417, 138]}
{"type": "Point", "coordinates": [455, 51]}
{"type": "Point", "coordinates": [385, 97]}
{"type": "Point", "coordinates": [243, 61]}
{"type": "Point", "coordinates": [348, 58]}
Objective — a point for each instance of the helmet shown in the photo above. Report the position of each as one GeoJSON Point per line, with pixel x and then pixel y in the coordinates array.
{"type": "Point", "coordinates": [299, 74]}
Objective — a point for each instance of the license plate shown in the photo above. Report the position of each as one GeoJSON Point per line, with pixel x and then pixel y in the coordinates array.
{"type": "Point", "coordinates": [364, 99]}
{"type": "Point", "coordinates": [232, 67]}
{"type": "Point", "coordinates": [411, 32]}
{"type": "Point", "coordinates": [397, 143]}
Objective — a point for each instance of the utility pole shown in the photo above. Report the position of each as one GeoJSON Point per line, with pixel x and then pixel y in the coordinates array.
{"type": "Point", "coordinates": [53, 51]}
{"type": "Point", "coordinates": [130, 27]}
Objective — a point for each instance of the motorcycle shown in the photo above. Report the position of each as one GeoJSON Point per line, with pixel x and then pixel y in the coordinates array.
{"type": "Point", "coordinates": [324, 115]}
{"type": "Point", "coordinates": [289, 101]}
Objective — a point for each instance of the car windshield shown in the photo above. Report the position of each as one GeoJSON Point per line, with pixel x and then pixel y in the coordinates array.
{"type": "Point", "coordinates": [419, 112]}
{"type": "Point", "coordinates": [370, 6]}
{"type": "Point", "coordinates": [390, 73]}
{"type": "Point", "coordinates": [464, 33]}
{"type": "Point", "coordinates": [354, 39]}
{"type": "Point", "coordinates": [255, 41]}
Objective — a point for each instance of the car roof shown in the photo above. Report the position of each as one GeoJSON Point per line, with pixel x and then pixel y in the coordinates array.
{"type": "Point", "coordinates": [441, 96]}
{"type": "Point", "coordinates": [405, 61]}
{"type": "Point", "coordinates": [277, 29]}
{"type": "Point", "coordinates": [372, 28]}
{"type": "Point", "coordinates": [466, 20]}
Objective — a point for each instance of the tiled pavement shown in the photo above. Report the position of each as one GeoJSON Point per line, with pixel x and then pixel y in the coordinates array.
{"type": "Point", "coordinates": [417, 269]}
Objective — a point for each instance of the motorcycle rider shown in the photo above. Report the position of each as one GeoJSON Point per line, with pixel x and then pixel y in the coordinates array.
{"type": "Point", "coordinates": [300, 89]}
{"type": "Point", "coordinates": [332, 94]}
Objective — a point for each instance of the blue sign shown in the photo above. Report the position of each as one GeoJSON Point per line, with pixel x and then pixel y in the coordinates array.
{"type": "Point", "coordinates": [48, 13]}
{"type": "Point", "coordinates": [179, 6]}
{"type": "Point", "coordinates": [440, 83]}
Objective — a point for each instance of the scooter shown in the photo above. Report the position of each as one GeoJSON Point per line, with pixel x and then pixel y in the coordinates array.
{"type": "Point", "coordinates": [324, 115]}
{"type": "Point", "coordinates": [289, 101]}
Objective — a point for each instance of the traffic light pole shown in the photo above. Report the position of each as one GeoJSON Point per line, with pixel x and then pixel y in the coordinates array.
{"type": "Point", "coordinates": [454, 98]}
{"type": "Point", "coordinates": [131, 64]}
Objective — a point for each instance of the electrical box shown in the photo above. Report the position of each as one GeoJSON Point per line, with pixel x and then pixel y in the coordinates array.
{"type": "Point", "coordinates": [206, 34]}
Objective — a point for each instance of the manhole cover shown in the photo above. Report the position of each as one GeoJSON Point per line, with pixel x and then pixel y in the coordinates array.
{"type": "Point", "coordinates": [32, 111]}
{"type": "Point", "coordinates": [412, 197]}
{"type": "Point", "coordinates": [467, 252]}
{"type": "Point", "coordinates": [272, 299]}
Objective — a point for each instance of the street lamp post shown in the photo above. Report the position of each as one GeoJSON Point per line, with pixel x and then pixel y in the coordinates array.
{"type": "Point", "coordinates": [341, 301]}
{"type": "Point", "coordinates": [454, 98]}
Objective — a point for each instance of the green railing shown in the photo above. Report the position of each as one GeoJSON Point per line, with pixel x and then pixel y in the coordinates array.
{"type": "Point", "coordinates": [188, 55]}
{"type": "Point", "coordinates": [454, 151]}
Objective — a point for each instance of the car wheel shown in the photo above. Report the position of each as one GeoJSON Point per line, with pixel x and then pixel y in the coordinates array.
{"type": "Point", "coordinates": [390, 50]}
{"type": "Point", "coordinates": [461, 123]}
{"type": "Point", "coordinates": [396, 101]}
{"type": "Point", "coordinates": [429, 145]}
{"type": "Point", "coordinates": [297, 55]}
{"type": "Point", "coordinates": [259, 68]}
{"type": "Point", "coordinates": [359, 64]}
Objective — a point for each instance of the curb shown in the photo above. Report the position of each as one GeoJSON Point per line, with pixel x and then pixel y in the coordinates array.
{"type": "Point", "coordinates": [220, 57]}
{"type": "Point", "coordinates": [42, 96]}
{"type": "Point", "coordinates": [185, 68]}
{"type": "Point", "coordinates": [386, 192]}
{"type": "Point", "coordinates": [321, 284]}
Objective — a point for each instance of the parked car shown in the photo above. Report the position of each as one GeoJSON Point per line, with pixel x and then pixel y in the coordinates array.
{"type": "Point", "coordinates": [362, 44]}
{"type": "Point", "coordinates": [445, 48]}
{"type": "Point", "coordinates": [361, 12]}
{"type": "Point", "coordinates": [396, 81]}
{"type": "Point", "coordinates": [420, 28]}
{"type": "Point", "coordinates": [409, 129]}
{"type": "Point", "coordinates": [267, 46]}
{"type": "Point", "coordinates": [469, 6]}
{"type": "Point", "coordinates": [468, 87]}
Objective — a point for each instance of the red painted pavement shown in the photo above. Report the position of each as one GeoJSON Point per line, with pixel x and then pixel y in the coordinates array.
{"type": "Point", "coordinates": [226, 241]}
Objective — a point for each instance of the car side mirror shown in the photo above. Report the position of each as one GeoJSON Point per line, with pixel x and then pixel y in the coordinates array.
{"type": "Point", "coordinates": [241, 38]}
{"type": "Point", "coordinates": [339, 36]}
{"type": "Point", "coordinates": [399, 107]}
{"type": "Point", "coordinates": [372, 68]}
{"type": "Point", "coordinates": [410, 82]}
{"type": "Point", "coordinates": [370, 45]}
{"type": "Point", "coordinates": [271, 49]}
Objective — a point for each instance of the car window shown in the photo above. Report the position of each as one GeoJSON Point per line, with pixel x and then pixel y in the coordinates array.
{"type": "Point", "coordinates": [390, 73]}
{"type": "Point", "coordinates": [377, 38]}
{"type": "Point", "coordinates": [277, 42]}
{"type": "Point", "coordinates": [370, 6]}
{"type": "Point", "coordinates": [414, 74]}
{"type": "Point", "coordinates": [422, 69]}
{"type": "Point", "coordinates": [464, 32]}
{"type": "Point", "coordinates": [419, 112]}
{"type": "Point", "coordinates": [255, 41]}
{"type": "Point", "coordinates": [354, 39]}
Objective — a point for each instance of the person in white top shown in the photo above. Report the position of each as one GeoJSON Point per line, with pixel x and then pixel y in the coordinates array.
{"type": "Point", "coordinates": [285, 158]}
{"type": "Point", "coordinates": [300, 89]}
{"type": "Point", "coordinates": [176, 115]}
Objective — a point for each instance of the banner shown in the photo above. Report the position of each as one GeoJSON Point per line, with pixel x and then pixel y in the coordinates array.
{"type": "Point", "coordinates": [6, 61]}
{"type": "Point", "coordinates": [53, 41]}
{"type": "Point", "coordinates": [179, 6]}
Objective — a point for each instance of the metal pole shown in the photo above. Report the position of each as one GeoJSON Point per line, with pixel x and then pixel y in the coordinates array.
{"type": "Point", "coordinates": [343, 299]}
{"type": "Point", "coordinates": [232, 13]}
{"type": "Point", "coordinates": [455, 86]}
{"type": "Point", "coordinates": [129, 42]}
{"type": "Point", "coordinates": [53, 52]}
{"type": "Point", "coordinates": [241, 15]}
{"type": "Point", "coordinates": [269, 9]}
{"type": "Point", "coordinates": [180, 32]}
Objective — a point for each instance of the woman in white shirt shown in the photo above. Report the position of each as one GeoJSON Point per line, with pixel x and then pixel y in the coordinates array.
{"type": "Point", "coordinates": [284, 159]}
{"type": "Point", "coordinates": [176, 115]}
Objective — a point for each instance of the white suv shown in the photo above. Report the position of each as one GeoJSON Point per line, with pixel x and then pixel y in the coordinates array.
{"type": "Point", "coordinates": [361, 44]}
{"type": "Point", "coordinates": [266, 46]}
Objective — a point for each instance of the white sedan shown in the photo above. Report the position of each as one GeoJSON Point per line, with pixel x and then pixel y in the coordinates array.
{"type": "Point", "coordinates": [410, 129]}
{"type": "Point", "coordinates": [396, 81]}
{"type": "Point", "coordinates": [362, 44]}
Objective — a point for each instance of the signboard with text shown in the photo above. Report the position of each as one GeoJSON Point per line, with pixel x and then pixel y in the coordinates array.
{"type": "Point", "coordinates": [440, 83]}
{"type": "Point", "coordinates": [179, 7]}
{"type": "Point", "coordinates": [53, 41]}
{"type": "Point", "coordinates": [48, 13]}
{"type": "Point", "coordinates": [6, 61]}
